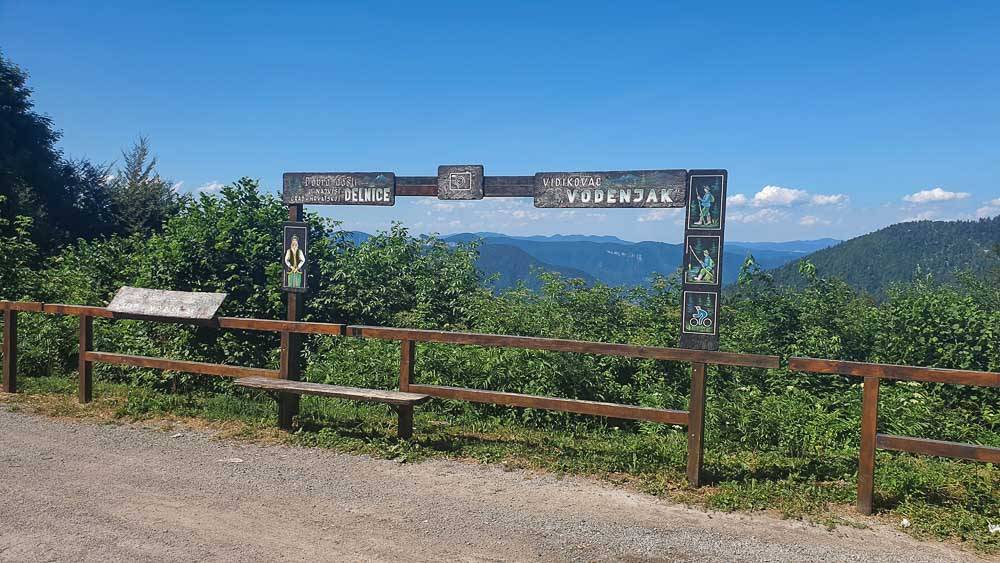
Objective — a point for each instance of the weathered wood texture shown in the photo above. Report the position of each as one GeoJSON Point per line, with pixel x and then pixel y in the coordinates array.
{"type": "Point", "coordinates": [163, 303]}
{"type": "Point", "coordinates": [180, 365]}
{"type": "Point", "coordinates": [622, 189]}
{"type": "Point", "coordinates": [610, 410]}
{"type": "Point", "coordinates": [336, 391]}
{"type": "Point", "coordinates": [26, 306]}
{"type": "Point", "coordinates": [891, 371]}
{"type": "Point", "coordinates": [85, 366]}
{"type": "Point", "coordinates": [9, 350]}
{"type": "Point", "coordinates": [493, 186]}
{"type": "Point", "coordinates": [339, 188]}
{"type": "Point", "coordinates": [938, 448]}
{"type": "Point", "coordinates": [696, 424]}
{"type": "Point", "coordinates": [866, 461]}
{"type": "Point", "coordinates": [460, 181]}
{"type": "Point", "coordinates": [298, 327]}
{"type": "Point", "coordinates": [561, 345]}
{"type": "Point", "coordinates": [76, 310]}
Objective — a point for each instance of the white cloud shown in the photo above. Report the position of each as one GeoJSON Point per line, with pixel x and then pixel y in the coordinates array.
{"type": "Point", "coordinates": [659, 214]}
{"type": "Point", "coordinates": [210, 187]}
{"type": "Point", "coordinates": [778, 196]}
{"type": "Point", "coordinates": [760, 216]}
{"type": "Point", "coordinates": [177, 187]}
{"type": "Point", "coordinates": [812, 220]}
{"type": "Point", "coordinates": [527, 214]}
{"type": "Point", "coordinates": [936, 194]}
{"type": "Point", "coordinates": [989, 210]}
{"type": "Point", "coordinates": [832, 199]}
{"type": "Point", "coordinates": [737, 200]}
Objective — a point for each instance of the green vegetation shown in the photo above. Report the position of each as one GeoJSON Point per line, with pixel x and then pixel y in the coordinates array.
{"type": "Point", "coordinates": [775, 439]}
{"type": "Point", "coordinates": [900, 253]}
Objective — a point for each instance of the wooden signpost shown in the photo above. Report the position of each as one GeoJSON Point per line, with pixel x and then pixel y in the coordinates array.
{"type": "Point", "coordinates": [702, 193]}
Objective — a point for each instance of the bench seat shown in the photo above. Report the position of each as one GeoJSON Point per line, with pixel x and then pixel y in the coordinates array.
{"type": "Point", "coordinates": [401, 401]}
{"type": "Point", "coordinates": [338, 391]}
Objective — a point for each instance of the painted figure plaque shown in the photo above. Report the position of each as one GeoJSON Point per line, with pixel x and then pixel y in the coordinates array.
{"type": "Point", "coordinates": [295, 257]}
{"type": "Point", "coordinates": [339, 188]}
{"type": "Point", "coordinates": [635, 188]}
{"type": "Point", "coordinates": [704, 238]}
{"type": "Point", "coordinates": [462, 181]}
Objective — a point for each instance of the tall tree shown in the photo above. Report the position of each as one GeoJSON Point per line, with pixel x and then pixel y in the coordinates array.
{"type": "Point", "coordinates": [143, 200]}
{"type": "Point", "coordinates": [65, 199]}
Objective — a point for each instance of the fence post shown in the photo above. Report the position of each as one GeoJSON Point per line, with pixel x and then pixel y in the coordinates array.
{"type": "Point", "coordinates": [866, 462]}
{"type": "Point", "coordinates": [86, 368]}
{"type": "Point", "coordinates": [9, 350]}
{"type": "Point", "coordinates": [696, 424]}
{"type": "Point", "coordinates": [407, 354]}
{"type": "Point", "coordinates": [291, 348]}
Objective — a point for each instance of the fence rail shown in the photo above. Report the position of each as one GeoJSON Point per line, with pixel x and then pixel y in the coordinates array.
{"type": "Point", "coordinates": [872, 440]}
{"type": "Point", "coordinates": [693, 418]}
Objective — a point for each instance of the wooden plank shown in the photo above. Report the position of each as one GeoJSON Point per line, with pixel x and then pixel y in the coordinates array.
{"type": "Point", "coordinates": [300, 327]}
{"type": "Point", "coordinates": [9, 350]}
{"type": "Point", "coordinates": [610, 410]}
{"type": "Point", "coordinates": [938, 448]}
{"type": "Point", "coordinates": [180, 365]}
{"type": "Point", "coordinates": [562, 345]}
{"type": "Point", "coordinates": [85, 367]}
{"type": "Point", "coordinates": [26, 306]}
{"type": "Point", "coordinates": [696, 424]}
{"type": "Point", "coordinates": [61, 309]}
{"type": "Point", "coordinates": [866, 462]}
{"type": "Point", "coordinates": [509, 186]}
{"type": "Point", "coordinates": [416, 186]}
{"type": "Point", "coordinates": [336, 391]}
{"type": "Point", "coordinates": [160, 303]}
{"type": "Point", "coordinates": [891, 371]}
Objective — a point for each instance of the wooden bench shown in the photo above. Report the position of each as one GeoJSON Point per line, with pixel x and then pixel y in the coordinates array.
{"type": "Point", "coordinates": [402, 402]}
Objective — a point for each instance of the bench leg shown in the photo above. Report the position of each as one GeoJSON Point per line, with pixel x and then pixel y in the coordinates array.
{"type": "Point", "coordinates": [405, 427]}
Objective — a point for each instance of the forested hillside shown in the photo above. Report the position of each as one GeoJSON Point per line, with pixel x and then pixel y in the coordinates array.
{"type": "Point", "coordinates": [903, 252]}
{"type": "Point", "coordinates": [618, 263]}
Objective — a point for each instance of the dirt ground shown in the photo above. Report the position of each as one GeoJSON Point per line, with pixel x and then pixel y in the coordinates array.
{"type": "Point", "coordinates": [79, 491]}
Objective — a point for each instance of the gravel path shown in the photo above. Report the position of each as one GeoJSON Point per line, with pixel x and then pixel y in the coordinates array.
{"type": "Point", "coordinates": [72, 491]}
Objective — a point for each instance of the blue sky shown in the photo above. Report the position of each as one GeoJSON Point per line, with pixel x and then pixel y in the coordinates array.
{"type": "Point", "coordinates": [834, 119]}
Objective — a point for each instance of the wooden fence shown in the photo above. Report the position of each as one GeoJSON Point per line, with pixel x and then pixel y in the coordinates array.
{"type": "Point", "coordinates": [873, 374]}
{"type": "Point", "coordinates": [693, 418]}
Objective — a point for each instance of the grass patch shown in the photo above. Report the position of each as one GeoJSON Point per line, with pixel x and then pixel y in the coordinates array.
{"type": "Point", "coordinates": [943, 499]}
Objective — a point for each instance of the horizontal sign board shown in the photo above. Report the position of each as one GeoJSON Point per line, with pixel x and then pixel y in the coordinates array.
{"type": "Point", "coordinates": [340, 188]}
{"type": "Point", "coordinates": [632, 188]}
{"type": "Point", "coordinates": [162, 303]}
{"type": "Point", "coordinates": [460, 181]}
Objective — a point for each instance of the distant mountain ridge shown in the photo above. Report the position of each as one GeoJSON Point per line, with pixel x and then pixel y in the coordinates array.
{"type": "Point", "coordinates": [608, 259]}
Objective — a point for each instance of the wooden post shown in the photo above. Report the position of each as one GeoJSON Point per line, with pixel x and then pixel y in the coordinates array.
{"type": "Point", "coordinates": [86, 368]}
{"type": "Point", "coordinates": [9, 351]}
{"type": "Point", "coordinates": [407, 354]}
{"type": "Point", "coordinates": [291, 348]}
{"type": "Point", "coordinates": [696, 424]}
{"type": "Point", "coordinates": [869, 427]}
